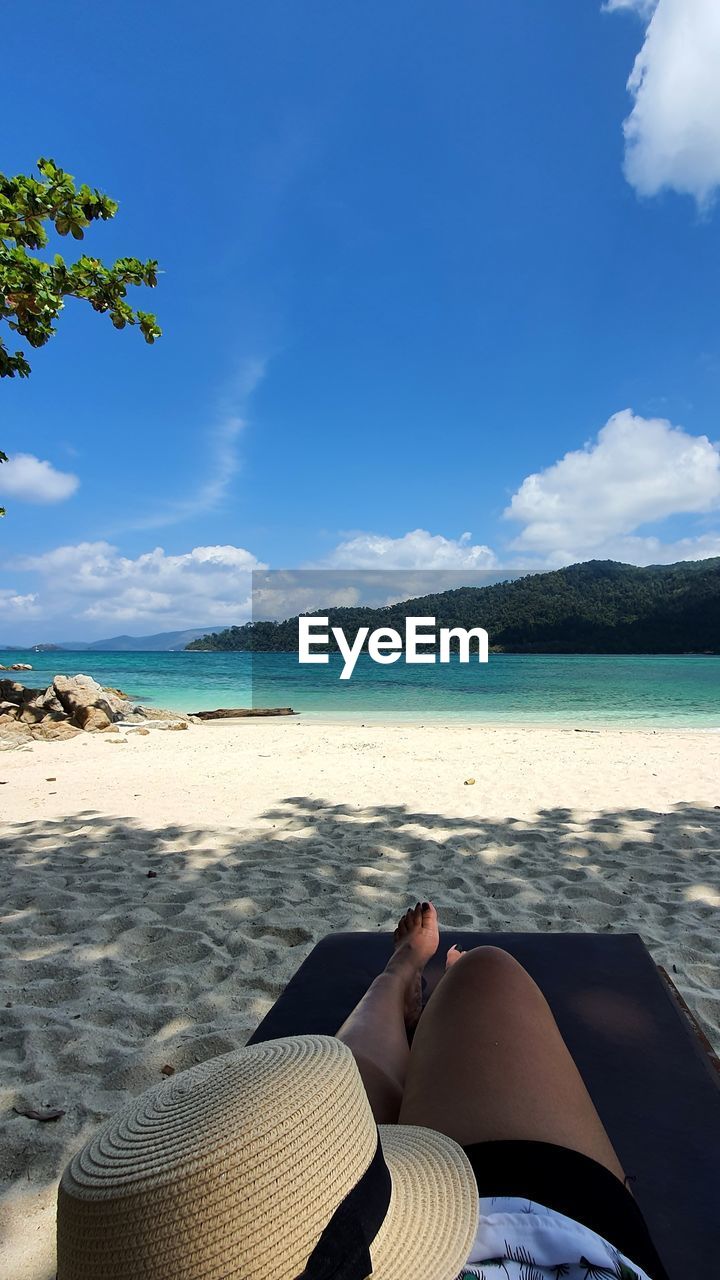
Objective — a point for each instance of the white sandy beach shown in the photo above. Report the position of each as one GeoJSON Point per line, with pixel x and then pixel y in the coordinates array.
{"type": "Point", "coordinates": [264, 836]}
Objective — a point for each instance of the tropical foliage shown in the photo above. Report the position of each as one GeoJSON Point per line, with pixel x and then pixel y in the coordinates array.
{"type": "Point", "coordinates": [597, 607]}
{"type": "Point", "coordinates": [33, 290]}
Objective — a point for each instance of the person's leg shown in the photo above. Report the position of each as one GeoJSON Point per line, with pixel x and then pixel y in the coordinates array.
{"type": "Point", "coordinates": [377, 1029]}
{"type": "Point", "coordinates": [488, 1063]}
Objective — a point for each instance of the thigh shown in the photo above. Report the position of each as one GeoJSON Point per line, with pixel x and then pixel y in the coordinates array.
{"type": "Point", "coordinates": [384, 1093]}
{"type": "Point", "coordinates": [488, 1063]}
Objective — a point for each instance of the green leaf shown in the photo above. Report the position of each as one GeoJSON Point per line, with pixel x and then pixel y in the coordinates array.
{"type": "Point", "coordinates": [32, 291]}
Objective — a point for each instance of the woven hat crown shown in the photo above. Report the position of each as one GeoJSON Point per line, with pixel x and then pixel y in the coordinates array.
{"type": "Point", "coordinates": [231, 1168]}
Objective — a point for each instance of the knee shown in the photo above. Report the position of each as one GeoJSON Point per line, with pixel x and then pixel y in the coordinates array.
{"type": "Point", "coordinates": [487, 965]}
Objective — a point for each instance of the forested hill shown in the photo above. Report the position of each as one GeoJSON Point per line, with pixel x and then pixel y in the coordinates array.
{"type": "Point", "coordinates": [598, 607]}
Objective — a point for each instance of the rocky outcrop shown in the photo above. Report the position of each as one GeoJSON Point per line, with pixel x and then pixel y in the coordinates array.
{"type": "Point", "coordinates": [72, 705]}
{"type": "Point", "coordinates": [11, 691]}
{"type": "Point", "coordinates": [85, 702]}
{"type": "Point", "coordinates": [16, 666]}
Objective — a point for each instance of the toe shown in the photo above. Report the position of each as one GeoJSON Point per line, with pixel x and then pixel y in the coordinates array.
{"type": "Point", "coordinates": [405, 923]}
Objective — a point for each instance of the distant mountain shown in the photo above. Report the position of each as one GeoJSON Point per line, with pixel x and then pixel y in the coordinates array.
{"type": "Point", "coordinates": [597, 607]}
{"type": "Point", "coordinates": [164, 641]}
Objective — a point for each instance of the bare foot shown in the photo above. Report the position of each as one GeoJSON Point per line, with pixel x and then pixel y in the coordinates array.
{"type": "Point", "coordinates": [453, 956]}
{"type": "Point", "coordinates": [417, 936]}
{"type": "Point", "coordinates": [416, 941]}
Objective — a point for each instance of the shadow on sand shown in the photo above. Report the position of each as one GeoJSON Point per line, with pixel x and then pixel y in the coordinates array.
{"type": "Point", "coordinates": [126, 948]}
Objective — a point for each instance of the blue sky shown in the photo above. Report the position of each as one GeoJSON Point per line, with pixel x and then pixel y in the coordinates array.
{"type": "Point", "coordinates": [418, 285]}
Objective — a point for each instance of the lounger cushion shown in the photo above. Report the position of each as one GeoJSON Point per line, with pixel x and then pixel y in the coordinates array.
{"type": "Point", "coordinates": [654, 1087]}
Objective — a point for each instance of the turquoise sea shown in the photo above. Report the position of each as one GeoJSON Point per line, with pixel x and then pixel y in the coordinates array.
{"type": "Point", "coordinates": [572, 690]}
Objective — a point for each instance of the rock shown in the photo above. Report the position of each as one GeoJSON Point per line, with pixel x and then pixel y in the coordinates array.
{"type": "Point", "coordinates": [19, 666]}
{"type": "Point", "coordinates": [78, 691]}
{"type": "Point", "coordinates": [179, 724]}
{"type": "Point", "coordinates": [29, 715]}
{"type": "Point", "coordinates": [54, 730]}
{"type": "Point", "coordinates": [11, 691]}
{"type": "Point", "coordinates": [47, 699]}
{"type": "Point", "coordinates": [115, 742]}
{"type": "Point", "coordinates": [29, 697]}
{"type": "Point", "coordinates": [85, 702]}
{"type": "Point", "coordinates": [469, 782]}
{"type": "Point", "coordinates": [34, 715]}
{"type": "Point", "coordinates": [15, 728]}
{"type": "Point", "coordinates": [42, 1114]}
{"type": "Point", "coordinates": [14, 735]}
{"type": "Point", "coordinates": [71, 703]}
{"type": "Point", "coordinates": [144, 732]}
{"type": "Point", "coordinates": [157, 713]}
{"type": "Point", "coordinates": [118, 702]}
{"type": "Point", "coordinates": [93, 719]}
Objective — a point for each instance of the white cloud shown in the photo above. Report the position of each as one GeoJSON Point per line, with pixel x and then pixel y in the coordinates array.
{"type": "Point", "coordinates": [18, 605]}
{"type": "Point", "coordinates": [672, 135]}
{"type": "Point", "coordinates": [282, 594]}
{"type": "Point", "coordinates": [638, 550]}
{"type": "Point", "coordinates": [416, 550]}
{"type": "Point", "coordinates": [595, 502]}
{"type": "Point", "coordinates": [643, 7]}
{"type": "Point", "coordinates": [31, 479]}
{"type": "Point", "coordinates": [92, 583]}
{"type": "Point", "coordinates": [90, 589]}
{"type": "Point", "coordinates": [221, 448]}
{"type": "Point", "coordinates": [638, 471]}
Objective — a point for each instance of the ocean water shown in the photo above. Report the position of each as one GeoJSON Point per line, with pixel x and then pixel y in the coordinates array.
{"type": "Point", "coordinates": [647, 691]}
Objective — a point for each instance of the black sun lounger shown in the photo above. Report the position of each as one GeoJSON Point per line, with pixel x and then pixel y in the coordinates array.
{"type": "Point", "coordinates": [652, 1081]}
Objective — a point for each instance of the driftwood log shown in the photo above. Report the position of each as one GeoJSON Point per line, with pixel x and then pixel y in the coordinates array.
{"type": "Point", "coordinates": [228, 713]}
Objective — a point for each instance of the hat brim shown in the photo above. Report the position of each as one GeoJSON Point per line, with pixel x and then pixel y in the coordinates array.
{"type": "Point", "coordinates": [433, 1215]}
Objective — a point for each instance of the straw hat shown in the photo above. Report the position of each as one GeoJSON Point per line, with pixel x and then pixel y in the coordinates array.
{"type": "Point", "coordinates": [265, 1164]}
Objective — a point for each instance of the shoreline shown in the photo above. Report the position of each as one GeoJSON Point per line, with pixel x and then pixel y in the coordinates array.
{"type": "Point", "coordinates": [536, 726]}
{"type": "Point", "coordinates": [320, 720]}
